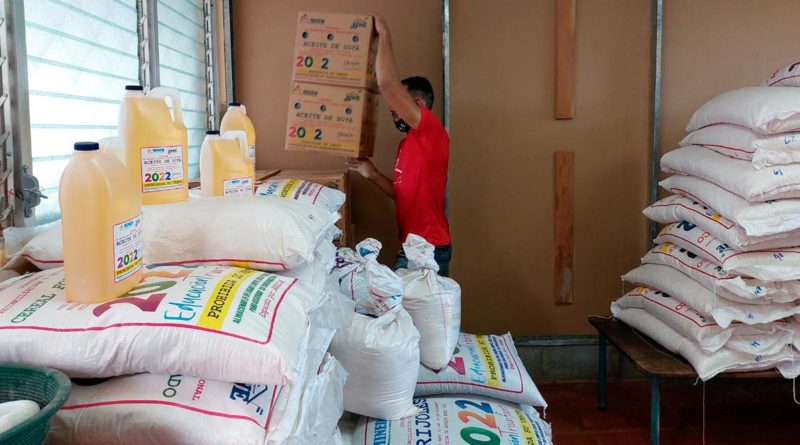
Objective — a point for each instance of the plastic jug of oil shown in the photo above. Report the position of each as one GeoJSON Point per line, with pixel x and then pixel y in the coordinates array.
{"type": "Point", "coordinates": [155, 144]}
{"type": "Point", "coordinates": [113, 145]}
{"type": "Point", "coordinates": [101, 223]}
{"type": "Point", "coordinates": [236, 119]}
{"type": "Point", "coordinates": [224, 168]}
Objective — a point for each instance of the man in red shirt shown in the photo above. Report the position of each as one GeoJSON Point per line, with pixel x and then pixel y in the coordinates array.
{"type": "Point", "coordinates": [420, 172]}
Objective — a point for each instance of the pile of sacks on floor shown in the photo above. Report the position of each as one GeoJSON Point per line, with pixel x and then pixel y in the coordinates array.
{"type": "Point", "coordinates": [224, 341]}
{"type": "Point", "coordinates": [414, 378]}
{"type": "Point", "coordinates": [722, 285]}
{"type": "Point", "coordinates": [251, 328]}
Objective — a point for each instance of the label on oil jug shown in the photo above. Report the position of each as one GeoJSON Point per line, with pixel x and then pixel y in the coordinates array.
{"type": "Point", "coordinates": [251, 153]}
{"type": "Point", "coordinates": [237, 187]}
{"type": "Point", "coordinates": [127, 248]}
{"type": "Point", "coordinates": [162, 168]}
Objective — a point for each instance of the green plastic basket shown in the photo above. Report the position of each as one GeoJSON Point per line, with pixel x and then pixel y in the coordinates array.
{"type": "Point", "coordinates": [47, 387]}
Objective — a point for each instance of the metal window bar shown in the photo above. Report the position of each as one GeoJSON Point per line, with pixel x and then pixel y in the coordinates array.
{"type": "Point", "coordinates": [212, 97]}
{"type": "Point", "coordinates": [228, 49]}
{"type": "Point", "coordinates": [148, 43]}
{"type": "Point", "coordinates": [15, 153]}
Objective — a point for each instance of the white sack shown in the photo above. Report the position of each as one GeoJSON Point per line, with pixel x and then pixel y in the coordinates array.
{"type": "Point", "coordinates": [303, 191]}
{"type": "Point", "coordinates": [707, 365]}
{"type": "Point", "coordinates": [166, 409]}
{"type": "Point", "coordinates": [458, 420]}
{"type": "Point", "coordinates": [767, 265]}
{"type": "Point", "coordinates": [315, 273]}
{"type": "Point", "coordinates": [734, 175]}
{"type": "Point", "coordinates": [317, 408]}
{"type": "Point", "coordinates": [757, 219]}
{"type": "Point", "coordinates": [187, 410]}
{"type": "Point", "coordinates": [434, 303]}
{"type": "Point", "coordinates": [743, 143]}
{"type": "Point", "coordinates": [270, 234]}
{"type": "Point", "coordinates": [715, 279]}
{"type": "Point", "coordinates": [46, 249]}
{"type": "Point", "coordinates": [676, 208]}
{"type": "Point", "coordinates": [17, 237]}
{"type": "Point", "coordinates": [223, 323]}
{"type": "Point", "coordinates": [766, 110]}
{"type": "Point", "coordinates": [485, 366]}
{"type": "Point", "coordinates": [382, 356]}
{"type": "Point", "coordinates": [688, 291]}
{"type": "Point", "coordinates": [787, 76]}
{"type": "Point", "coordinates": [759, 339]}
{"type": "Point", "coordinates": [255, 232]}
{"type": "Point", "coordinates": [375, 288]}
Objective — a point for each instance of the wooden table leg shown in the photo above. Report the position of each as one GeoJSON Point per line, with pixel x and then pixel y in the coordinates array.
{"type": "Point", "coordinates": [601, 372]}
{"type": "Point", "coordinates": [655, 410]}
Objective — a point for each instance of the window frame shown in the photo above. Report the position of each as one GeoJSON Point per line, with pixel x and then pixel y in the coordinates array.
{"type": "Point", "coordinates": [15, 111]}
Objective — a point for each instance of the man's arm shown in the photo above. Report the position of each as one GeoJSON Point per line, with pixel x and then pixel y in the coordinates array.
{"type": "Point", "coordinates": [388, 76]}
{"type": "Point", "coordinates": [367, 169]}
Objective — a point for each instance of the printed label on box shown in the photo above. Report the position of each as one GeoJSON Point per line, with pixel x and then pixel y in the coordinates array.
{"type": "Point", "coordinates": [237, 187]}
{"type": "Point", "coordinates": [162, 168]}
{"type": "Point", "coordinates": [127, 248]}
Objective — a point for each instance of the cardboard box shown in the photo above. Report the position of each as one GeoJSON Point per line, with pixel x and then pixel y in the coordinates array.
{"type": "Point", "coordinates": [335, 49]}
{"type": "Point", "coordinates": [261, 176]}
{"type": "Point", "coordinates": [337, 179]}
{"type": "Point", "coordinates": [333, 120]}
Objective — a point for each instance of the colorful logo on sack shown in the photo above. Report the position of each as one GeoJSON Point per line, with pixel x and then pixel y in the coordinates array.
{"type": "Point", "coordinates": [363, 251]}
{"type": "Point", "coordinates": [272, 189]}
{"type": "Point", "coordinates": [381, 432]}
{"type": "Point", "coordinates": [489, 363]}
{"type": "Point", "coordinates": [251, 395]}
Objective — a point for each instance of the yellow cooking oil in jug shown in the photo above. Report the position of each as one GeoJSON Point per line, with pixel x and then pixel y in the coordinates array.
{"type": "Point", "coordinates": [101, 223]}
{"type": "Point", "coordinates": [224, 168]}
{"type": "Point", "coordinates": [236, 119]}
{"type": "Point", "coordinates": [155, 144]}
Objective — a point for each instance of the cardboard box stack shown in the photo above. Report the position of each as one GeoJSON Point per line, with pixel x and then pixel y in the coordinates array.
{"type": "Point", "coordinates": [332, 102]}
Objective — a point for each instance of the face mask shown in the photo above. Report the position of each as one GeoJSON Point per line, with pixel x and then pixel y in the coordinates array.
{"type": "Point", "coordinates": [402, 125]}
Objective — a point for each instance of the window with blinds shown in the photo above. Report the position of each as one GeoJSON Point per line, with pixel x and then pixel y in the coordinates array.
{"type": "Point", "coordinates": [182, 66]}
{"type": "Point", "coordinates": [80, 54]}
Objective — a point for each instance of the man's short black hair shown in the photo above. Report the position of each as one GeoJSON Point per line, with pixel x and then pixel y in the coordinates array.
{"type": "Point", "coordinates": [420, 87]}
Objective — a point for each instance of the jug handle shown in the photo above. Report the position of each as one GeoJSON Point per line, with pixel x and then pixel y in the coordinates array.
{"type": "Point", "coordinates": [239, 135]}
{"type": "Point", "coordinates": [162, 92]}
{"type": "Point", "coordinates": [110, 142]}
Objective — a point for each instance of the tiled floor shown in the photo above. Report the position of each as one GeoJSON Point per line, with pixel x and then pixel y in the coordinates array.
{"type": "Point", "coordinates": [738, 412]}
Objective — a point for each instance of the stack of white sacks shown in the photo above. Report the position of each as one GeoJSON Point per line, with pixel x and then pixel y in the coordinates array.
{"type": "Point", "coordinates": [414, 378]}
{"type": "Point", "coordinates": [251, 328]}
{"type": "Point", "coordinates": [224, 342]}
{"type": "Point", "coordinates": [722, 285]}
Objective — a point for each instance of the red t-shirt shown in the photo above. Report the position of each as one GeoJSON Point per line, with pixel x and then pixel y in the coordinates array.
{"type": "Point", "coordinates": [420, 179]}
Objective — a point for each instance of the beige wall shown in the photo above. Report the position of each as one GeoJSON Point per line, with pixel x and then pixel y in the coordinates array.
{"type": "Point", "coordinates": [503, 134]}
{"type": "Point", "coordinates": [712, 46]}
{"type": "Point", "coordinates": [503, 139]}
{"type": "Point", "coordinates": [264, 33]}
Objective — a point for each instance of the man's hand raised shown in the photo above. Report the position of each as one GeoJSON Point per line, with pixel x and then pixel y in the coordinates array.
{"type": "Point", "coordinates": [380, 25]}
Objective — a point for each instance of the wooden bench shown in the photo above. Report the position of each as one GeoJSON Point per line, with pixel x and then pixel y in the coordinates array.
{"type": "Point", "coordinates": [655, 362]}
